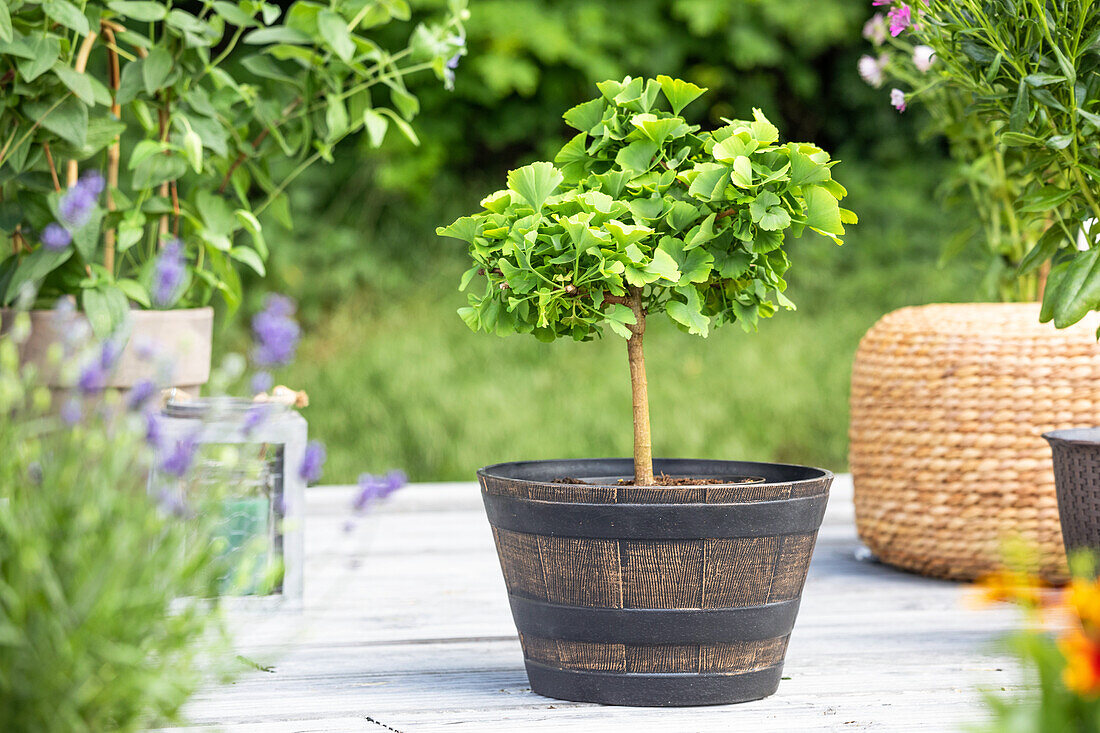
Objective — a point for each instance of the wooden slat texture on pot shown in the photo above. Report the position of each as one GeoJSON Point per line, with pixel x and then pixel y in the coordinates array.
{"type": "Point", "coordinates": [739, 572]}
{"type": "Point", "coordinates": [744, 656]}
{"type": "Point", "coordinates": [582, 572]}
{"type": "Point", "coordinates": [662, 574]}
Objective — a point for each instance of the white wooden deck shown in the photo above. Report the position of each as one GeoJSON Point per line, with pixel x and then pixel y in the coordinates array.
{"type": "Point", "coordinates": [406, 628]}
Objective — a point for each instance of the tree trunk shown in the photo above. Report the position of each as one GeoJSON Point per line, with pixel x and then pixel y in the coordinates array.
{"type": "Point", "coordinates": [643, 446]}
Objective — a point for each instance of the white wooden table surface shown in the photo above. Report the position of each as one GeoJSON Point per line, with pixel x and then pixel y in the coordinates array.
{"type": "Point", "coordinates": [406, 628]}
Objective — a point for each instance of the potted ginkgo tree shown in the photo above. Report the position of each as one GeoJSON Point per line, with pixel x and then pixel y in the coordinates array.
{"type": "Point", "coordinates": [650, 582]}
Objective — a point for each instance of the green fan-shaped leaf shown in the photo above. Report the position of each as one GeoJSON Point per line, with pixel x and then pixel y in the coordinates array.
{"type": "Point", "coordinates": [534, 183]}
{"type": "Point", "coordinates": [679, 93]}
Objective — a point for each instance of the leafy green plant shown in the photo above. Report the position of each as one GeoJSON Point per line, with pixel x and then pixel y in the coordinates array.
{"type": "Point", "coordinates": [643, 214]}
{"type": "Point", "coordinates": [1030, 69]}
{"type": "Point", "coordinates": [986, 178]}
{"type": "Point", "coordinates": [100, 626]}
{"type": "Point", "coordinates": [200, 114]}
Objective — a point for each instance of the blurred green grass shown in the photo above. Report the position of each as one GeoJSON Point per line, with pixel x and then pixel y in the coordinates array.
{"type": "Point", "coordinates": [397, 380]}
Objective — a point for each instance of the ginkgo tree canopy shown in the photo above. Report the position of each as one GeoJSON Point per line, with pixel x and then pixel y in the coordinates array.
{"type": "Point", "coordinates": [639, 200]}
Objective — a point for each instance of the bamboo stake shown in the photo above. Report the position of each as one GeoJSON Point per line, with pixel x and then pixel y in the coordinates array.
{"type": "Point", "coordinates": [79, 66]}
{"type": "Point", "coordinates": [114, 151]}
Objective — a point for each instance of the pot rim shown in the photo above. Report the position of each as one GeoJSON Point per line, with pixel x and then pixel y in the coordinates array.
{"type": "Point", "coordinates": [812, 474]}
{"type": "Point", "coordinates": [1074, 436]}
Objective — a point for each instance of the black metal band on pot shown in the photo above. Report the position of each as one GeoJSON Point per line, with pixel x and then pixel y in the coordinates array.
{"type": "Point", "coordinates": [653, 625]}
{"type": "Point", "coordinates": [656, 521]}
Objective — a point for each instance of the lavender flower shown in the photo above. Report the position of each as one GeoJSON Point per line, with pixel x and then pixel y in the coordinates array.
{"type": "Point", "coordinates": [140, 395]}
{"type": "Point", "coordinates": [261, 382]}
{"type": "Point", "coordinates": [275, 331]}
{"type": "Point", "coordinates": [168, 274]}
{"type": "Point", "coordinates": [180, 456]}
{"type": "Point", "coordinates": [75, 208]}
{"type": "Point", "coordinates": [92, 379]}
{"type": "Point", "coordinates": [370, 490]}
{"type": "Point", "coordinates": [154, 436]}
{"type": "Point", "coordinates": [71, 411]}
{"type": "Point", "coordinates": [312, 462]}
{"type": "Point", "coordinates": [253, 418]}
{"type": "Point", "coordinates": [373, 488]}
{"type": "Point", "coordinates": [393, 481]}
{"type": "Point", "coordinates": [55, 237]}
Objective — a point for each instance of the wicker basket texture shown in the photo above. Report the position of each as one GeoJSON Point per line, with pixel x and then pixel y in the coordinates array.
{"type": "Point", "coordinates": [948, 406]}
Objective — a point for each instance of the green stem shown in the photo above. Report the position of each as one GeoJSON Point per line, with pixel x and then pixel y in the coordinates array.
{"type": "Point", "coordinates": [294, 174]}
{"type": "Point", "coordinates": [6, 150]}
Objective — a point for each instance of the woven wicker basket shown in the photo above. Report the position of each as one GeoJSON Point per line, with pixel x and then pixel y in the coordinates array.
{"type": "Point", "coordinates": [949, 403]}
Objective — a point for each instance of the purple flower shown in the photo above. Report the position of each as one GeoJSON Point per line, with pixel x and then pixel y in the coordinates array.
{"type": "Point", "coordinates": [75, 208]}
{"type": "Point", "coordinates": [109, 352]}
{"type": "Point", "coordinates": [93, 378]}
{"type": "Point", "coordinates": [140, 395]}
{"type": "Point", "coordinates": [261, 382]}
{"type": "Point", "coordinates": [93, 182]}
{"type": "Point", "coordinates": [393, 481]}
{"type": "Point", "coordinates": [313, 462]}
{"type": "Point", "coordinates": [71, 411]}
{"type": "Point", "coordinates": [897, 98]}
{"type": "Point", "coordinates": [168, 273]}
{"type": "Point", "coordinates": [253, 418]}
{"type": "Point", "coordinates": [449, 72]}
{"type": "Point", "coordinates": [55, 237]}
{"type": "Point", "coordinates": [370, 489]}
{"type": "Point", "coordinates": [899, 19]}
{"type": "Point", "coordinates": [180, 456]}
{"type": "Point", "coordinates": [276, 332]}
{"type": "Point", "coordinates": [154, 436]}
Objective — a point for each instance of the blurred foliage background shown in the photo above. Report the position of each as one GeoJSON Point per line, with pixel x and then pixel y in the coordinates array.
{"type": "Point", "coordinates": [397, 380]}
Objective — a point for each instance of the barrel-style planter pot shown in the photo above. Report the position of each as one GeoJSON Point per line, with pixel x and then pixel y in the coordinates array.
{"type": "Point", "coordinates": [181, 338]}
{"type": "Point", "coordinates": [654, 596]}
{"type": "Point", "coordinates": [948, 405]}
{"type": "Point", "coordinates": [1076, 455]}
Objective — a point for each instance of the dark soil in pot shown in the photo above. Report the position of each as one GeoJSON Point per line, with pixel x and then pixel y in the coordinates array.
{"type": "Point", "coordinates": [654, 595]}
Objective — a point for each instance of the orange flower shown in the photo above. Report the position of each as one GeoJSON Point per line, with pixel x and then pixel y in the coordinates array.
{"type": "Point", "coordinates": [1083, 598]}
{"type": "Point", "coordinates": [1082, 672]}
{"type": "Point", "coordinates": [1010, 586]}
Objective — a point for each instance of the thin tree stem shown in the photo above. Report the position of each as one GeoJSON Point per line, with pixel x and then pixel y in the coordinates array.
{"type": "Point", "coordinates": [643, 444]}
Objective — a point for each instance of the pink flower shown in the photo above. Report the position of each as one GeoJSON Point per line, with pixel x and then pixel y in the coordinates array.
{"type": "Point", "coordinates": [923, 56]}
{"type": "Point", "coordinates": [874, 30]}
{"type": "Point", "coordinates": [899, 19]}
{"type": "Point", "coordinates": [870, 68]}
{"type": "Point", "coordinates": [897, 98]}
{"type": "Point", "coordinates": [877, 3]}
